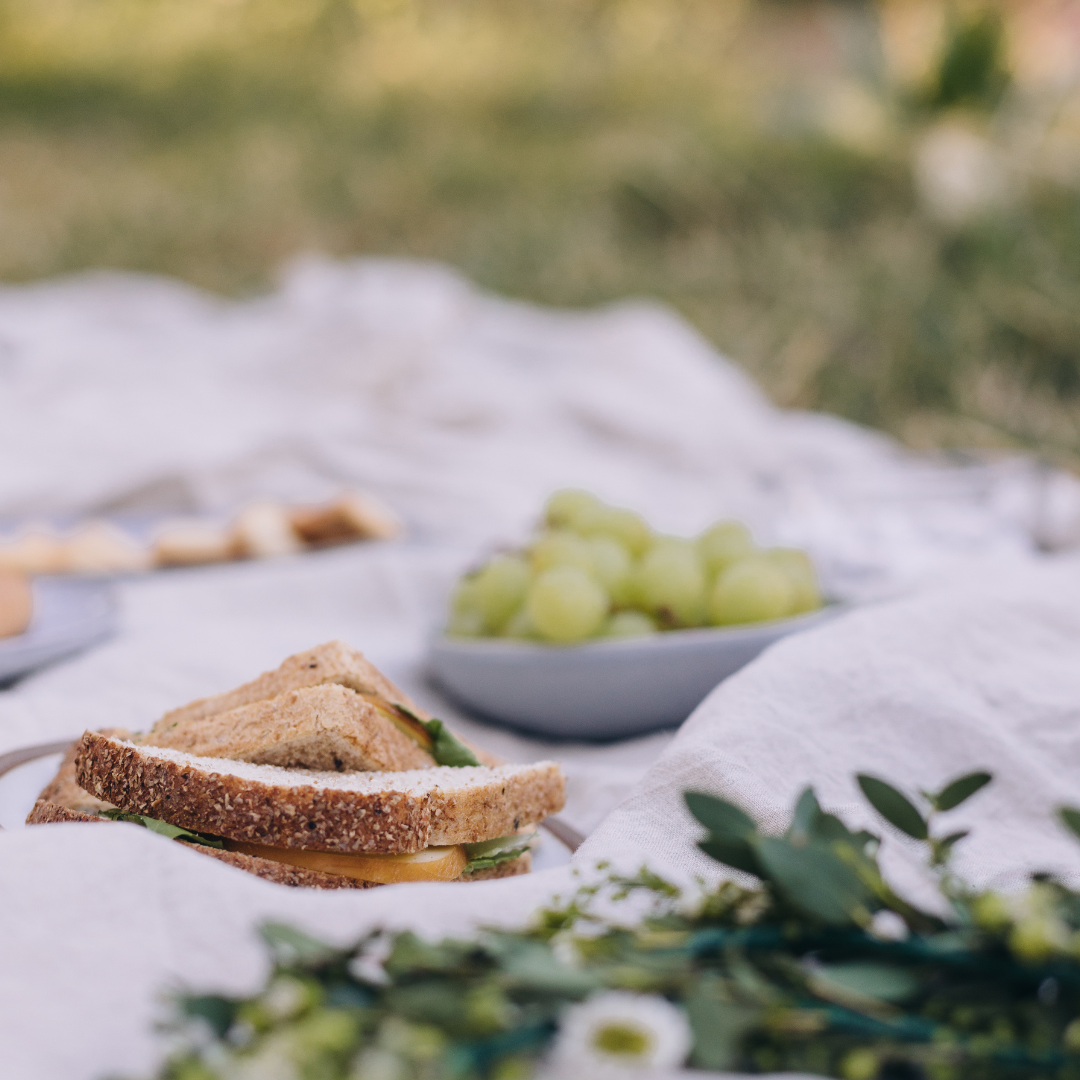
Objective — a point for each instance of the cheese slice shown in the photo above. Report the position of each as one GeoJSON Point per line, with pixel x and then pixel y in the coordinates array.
{"type": "Point", "coordinates": [431, 864]}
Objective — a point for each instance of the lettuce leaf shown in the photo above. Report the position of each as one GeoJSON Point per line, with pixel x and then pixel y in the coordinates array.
{"type": "Point", "coordinates": [173, 832]}
{"type": "Point", "coordinates": [484, 862]}
{"type": "Point", "coordinates": [446, 749]}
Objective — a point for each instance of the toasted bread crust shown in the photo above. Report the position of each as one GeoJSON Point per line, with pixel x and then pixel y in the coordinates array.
{"type": "Point", "coordinates": [327, 727]}
{"type": "Point", "coordinates": [508, 802]}
{"type": "Point", "coordinates": [301, 816]}
{"type": "Point", "coordinates": [46, 813]}
{"type": "Point", "coordinates": [63, 789]}
{"type": "Point", "coordinates": [437, 807]}
{"type": "Point", "coordinates": [334, 662]}
{"type": "Point", "coordinates": [50, 813]}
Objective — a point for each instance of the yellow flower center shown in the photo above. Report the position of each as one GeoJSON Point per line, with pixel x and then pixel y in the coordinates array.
{"type": "Point", "coordinates": [622, 1040]}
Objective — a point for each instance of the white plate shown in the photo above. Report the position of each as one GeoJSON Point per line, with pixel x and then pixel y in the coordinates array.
{"type": "Point", "coordinates": [69, 616]}
{"type": "Point", "coordinates": [21, 782]}
{"type": "Point", "coordinates": [600, 689]}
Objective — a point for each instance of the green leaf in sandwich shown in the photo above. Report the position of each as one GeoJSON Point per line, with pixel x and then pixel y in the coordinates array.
{"type": "Point", "coordinates": [173, 832]}
{"type": "Point", "coordinates": [445, 747]}
{"type": "Point", "coordinates": [489, 853]}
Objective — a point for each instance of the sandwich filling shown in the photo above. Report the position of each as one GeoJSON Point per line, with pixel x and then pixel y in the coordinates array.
{"type": "Point", "coordinates": [430, 864]}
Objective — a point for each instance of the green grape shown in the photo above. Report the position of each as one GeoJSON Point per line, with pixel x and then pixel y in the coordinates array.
{"type": "Point", "coordinates": [630, 529]}
{"type": "Point", "coordinates": [466, 624]}
{"type": "Point", "coordinates": [611, 566]}
{"type": "Point", "coordinates": [565, 604]}
{"type": "Point", "coordinates": [519, 625]}
{"type": "Point", "coordinates": [466, 618]}
{"type": "Point", "coordinates": [500, 588]}
{"type": "Point", "coordinates": [465, 597]}
{"type": "Point", "coordinates": [723, 544]}
{"type": "Point", "coordinates": [560, 548]}
{"type": "Point", "coordinates": [800, 571]}
{"type": "Point", "coordinates": [752, 590]}
{"type": "Point", "coordinates": [629, 624]}
{"type": "Point", "coordinates": [565, 504]}
{"type": "Point", "coordinates": [669, 583]}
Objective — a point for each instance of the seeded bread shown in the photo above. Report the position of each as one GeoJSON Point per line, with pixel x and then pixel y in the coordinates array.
{"type": "Point", "coordinates": [328, 727]}
{"type": "Point", "coordinates": [50, 813]}
{"type": "Point", "coordinates": [334, 663]}
{"type": "Point", "coordinates": [322, 811]}
{"type": "Point", "coordinates": [46, 813]}
{"type": "Point", "coordinates": [64, 790]}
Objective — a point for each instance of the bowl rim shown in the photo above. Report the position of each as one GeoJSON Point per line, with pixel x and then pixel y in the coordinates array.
{"type": "Point", "coordinates": [442, 642]}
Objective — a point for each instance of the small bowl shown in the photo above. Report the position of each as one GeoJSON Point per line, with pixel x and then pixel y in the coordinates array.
{"type": "Point", "coordinates": [607, 689]}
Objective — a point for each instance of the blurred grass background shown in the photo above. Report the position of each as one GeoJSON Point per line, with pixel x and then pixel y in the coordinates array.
{"type": "Point", "coordinates": [872, 206]}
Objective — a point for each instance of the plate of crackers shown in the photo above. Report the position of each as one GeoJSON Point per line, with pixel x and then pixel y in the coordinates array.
{"type": "Point", "coordinates": [258, 530]}
{"type": "Point", "coordinates": [47, 619]}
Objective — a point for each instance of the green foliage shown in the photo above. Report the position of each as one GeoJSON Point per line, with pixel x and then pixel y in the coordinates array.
{"type": "Point", "coordinates": [973, 67]}
{"type": "Point", "coordinates": [893, 806]}
{"type": "Point", "coordinates": [791, 974]}
{"type": "Point", "coordinates": [1070, 817]}
{"type": "Point", "coordinates": [960, 790]}
{"type": "Point", "coordinates": [173, 832]}
{"type": "Point", "coordinates": [485, 862]}
{"type": "Point", "coordinates": [446, 747]}
{"type": "Point", "coordinates": [571, 152]}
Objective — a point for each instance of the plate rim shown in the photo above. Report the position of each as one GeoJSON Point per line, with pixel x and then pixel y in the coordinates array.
{"type": "Point", "coordinates": [441, 641]}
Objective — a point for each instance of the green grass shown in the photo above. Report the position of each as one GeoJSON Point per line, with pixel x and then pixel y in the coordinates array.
{"type": "Point", "coordinates": [567, 151]}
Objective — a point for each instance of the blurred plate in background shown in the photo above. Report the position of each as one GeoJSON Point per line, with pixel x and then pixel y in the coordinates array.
{"type": "Point", "coordinates": [69, 616]}
{"type": "Point", "coordinates": [607, 689]}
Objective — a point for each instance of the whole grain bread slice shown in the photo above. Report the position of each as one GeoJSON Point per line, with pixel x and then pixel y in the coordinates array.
{"type": "Point", "coordinates": [63, 789]}
{"type": "Point", "coordinates": [322, 811]}
{"type": "Point", "coordinates": [327, 727]}
{"type": "Point", "coordinates": [46, 813]}
{"type": "Point", "coordinates": [334, 663]}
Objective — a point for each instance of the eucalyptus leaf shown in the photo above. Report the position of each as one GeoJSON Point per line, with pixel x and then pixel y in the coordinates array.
{"type": "Point", "coordinates": [213, 1009]}
{"type": "Point", "coordinates": [534, 968]}
{"type": "Point", "coordinates": [961, 789]}
{"type": "Point", "coordinates": [814, 880]}
{"type": "Point", "coordinates": [734, 853]}
{"type": "Point", "coordinates": [893, 806]}
{"type": "Point", "coordinates": [719, 1028]}
{"type": "Point", "coordinates": [867, 980]}
{"type": "Point", "coordinates": [721, 818]}
{"type": "Point", "coordinates": [807, 812]}
{"type": "Point", "coordinates": [1070, 818]}
{"type": "Point", "coordinates": [809, 821]}
{"type": "Point", "coordinates": [291, 947]}
{"type": "Point", "coordinates": [946, 842]}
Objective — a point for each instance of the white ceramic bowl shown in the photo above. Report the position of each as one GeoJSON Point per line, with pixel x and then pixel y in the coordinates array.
{"type": "Point", "coordinates": [606, 689]}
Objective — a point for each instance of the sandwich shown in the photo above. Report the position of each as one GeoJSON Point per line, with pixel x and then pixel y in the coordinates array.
{"type": "Point", "coordinates": [321, 773]}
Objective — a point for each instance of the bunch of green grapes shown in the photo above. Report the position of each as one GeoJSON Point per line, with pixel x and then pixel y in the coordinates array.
{"type": "Point", "coordinates": [595, 570]}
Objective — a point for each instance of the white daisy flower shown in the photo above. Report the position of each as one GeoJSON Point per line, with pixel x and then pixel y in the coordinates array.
{"type": "Point", "coordinates": [618, 1034]}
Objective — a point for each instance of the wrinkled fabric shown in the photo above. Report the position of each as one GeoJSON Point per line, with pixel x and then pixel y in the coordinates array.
{"type": "Point", "coordinates": [141, 398]}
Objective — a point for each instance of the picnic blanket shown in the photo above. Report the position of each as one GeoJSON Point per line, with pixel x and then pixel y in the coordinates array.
{"type": "Point", "coordinates": [463, 411]}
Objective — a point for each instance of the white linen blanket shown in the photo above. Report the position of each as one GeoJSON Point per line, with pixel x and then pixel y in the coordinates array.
{"type": "Point", "coordinates": [138, 396]}
{"type": "Point", "coordinates": [97, 920]}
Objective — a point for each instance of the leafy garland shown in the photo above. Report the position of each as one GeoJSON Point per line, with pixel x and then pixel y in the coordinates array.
{"type": "Point", "coordinates": [821, 968]}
